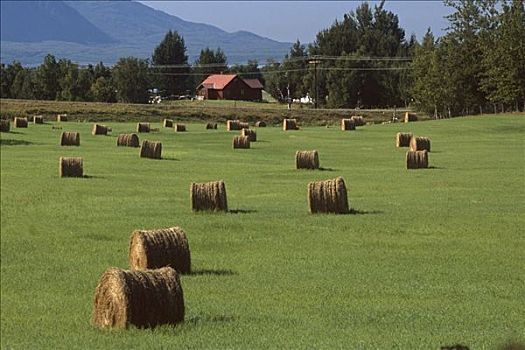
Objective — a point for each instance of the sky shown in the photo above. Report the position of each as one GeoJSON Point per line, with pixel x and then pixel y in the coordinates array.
{"type": "Point", "coordinates": [288, 21]}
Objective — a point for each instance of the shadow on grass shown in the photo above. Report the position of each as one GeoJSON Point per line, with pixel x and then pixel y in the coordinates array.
{"type": "Point", "coordinates": [435, 167]}
{"type": "Point", "coordinates": [194, 320]}
{"type": "Point", "coordinates": [364, 212]}
{"type": "Point", "coordinates": [242, 211]}
{"type": "Point", "coordinates": [213, 272]}
{"type": "Point", "coordinates": [93, 177]}
{"type": "Point", "coordinates": [5, 142]}
{"type": "Point", "coordinates": [171, 158]}
{"type": "Point", "coordinates": [327, 169]}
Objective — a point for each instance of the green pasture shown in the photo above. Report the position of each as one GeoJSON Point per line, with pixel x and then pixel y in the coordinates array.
{"type": "Point", "coordinates": [433, 257]}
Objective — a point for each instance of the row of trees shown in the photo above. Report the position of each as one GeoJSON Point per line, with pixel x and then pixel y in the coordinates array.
{"type": "Point", "coordinates": [362, 61]}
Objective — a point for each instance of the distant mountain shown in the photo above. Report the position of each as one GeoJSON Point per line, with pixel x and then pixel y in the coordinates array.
{"type": "Point", "coordinates": [93, 31]}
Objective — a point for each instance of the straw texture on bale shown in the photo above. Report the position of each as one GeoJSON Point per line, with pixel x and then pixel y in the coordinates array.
{"type": "Point", "coordinates": [70, 138]}
{"type": "Point", "coordinates": [153, 249]}
{"type": "Point", "coordinates": [260, 124]}
{"type": "Point", "coordinates": [251, 134]}
{"type": "Point", "coordinates": [20, 122]}
{"type": "Point", "coordinates": [211, 126]}
{"type": "Point", "coordinates": [141, 298]}
{"type": "Point", "coordinates": [417, 159]}
{"type": "Point", "coordinates": [38, 119]}
{"type": "Point", "coordinates": [128, 140]}
{"type": "Point", "coordinates": [62, 118]}
{"type": "Point", "coordinates": [328, 196]}
{"type": "Point", "coordinates": [403, 139]}
{"type": "Point", "coordinates": [99, 129]}
{"type": "Point", "coordinates": [168, 123]}
{"type": "Point", "coordinates": [419, 144]}
{"type": "Point", "coordinates": [347, 124]}
{"type": "Point", "coordinates": [143, 127]}
{"type": "Point", "coordinates": [358, 120]}
{"type": "Point", "coordinates": [307, 160]}
{"type": "Point", "coordinates": [290, 124]}
{"type": "Point", "coordinates": [180, 127]}
{"type": "Point", "coordinates": [5, 125]}
{"type": "Point", "coordinates": [151, 149]}
{"type": "Point", "coordinates": [209, 196]}
{"type": "Point", "coordinates": [410, 117]}
{"type": "Point", "coordinates": [71, 167]}
{"type": "Point", "coordinates": [241, 142]}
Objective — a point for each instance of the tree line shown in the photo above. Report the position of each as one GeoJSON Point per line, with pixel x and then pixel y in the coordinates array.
{"type": "Point", "coordinates": [361, 61]}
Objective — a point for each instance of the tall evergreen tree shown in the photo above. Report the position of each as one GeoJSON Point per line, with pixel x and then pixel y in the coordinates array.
{"type": "Point", "coordinates": [131, 80]}
{"type": "Point", "coordinates": [209, 62]}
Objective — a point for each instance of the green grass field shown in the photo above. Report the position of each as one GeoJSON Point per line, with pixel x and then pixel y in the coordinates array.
{"type": "Point", "coordinates": [435, 257]}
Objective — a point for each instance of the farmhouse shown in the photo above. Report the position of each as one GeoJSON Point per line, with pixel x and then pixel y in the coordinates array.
{"type": "Point", "coordinates": [230, 87]}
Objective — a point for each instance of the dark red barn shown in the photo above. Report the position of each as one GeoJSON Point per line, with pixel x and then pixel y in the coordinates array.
{"type": "Point", "coordinates": [230, 87]}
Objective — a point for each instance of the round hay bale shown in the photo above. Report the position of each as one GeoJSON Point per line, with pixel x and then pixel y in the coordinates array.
{"type": "Point", "coordinates": [251, 134]}
{"type": "Point", "coordinates": [99, 129]}
{"type": "Point", "coordinates": [153, 249]}
{"type": "Point", "coordinates": [5, 125]}
{"type": "Point", "coordinates": [347, 124]}
{"type": "Point", "coordinates": [241, 142]}
{"type": "Point", "coordinates": [307, 160]}
{"type": "Point", "coordinates": [209, 196]}
{"type": "Point", "coordinates": [419, 143]}
{"type": "Point", "coordinates": [128, 140]}
{"type": "Point", "coordinates": [410, 117]}
{"type": "Point", "coordinates": [290, 124]}
{"type": "Point", "coordinates": [232, 125]}
{"type": "Point", "coordinates": [417, 159]}
{"type": "Point", "coordinates": [141, 298]}
{"type": "Point", "coordinates": [328, 196]}
{"type": "Point", "coordinates": [70, 138]}
{"type": "Point", "coordinates": [38, 119]}
{"type": "Point", "coordinates": [180, 128]}
{"type": "Point", "coordinates": [358, 120]}
{"type": "Point", "coordinates": [143, 127]}
{"type": "Point", "coordinates": [71, 167]}
{"type": "Point", "coordinates": [20, 122]}
{"type": "Point", "coordinates": [151, 149]}
{"type": "Point", "coordinates": [62, 118]}
{"type": "Point", "coordinates": [168, 123]}
{"type": "Point", "coordinates": [260, 124]}
{"type": "Point", "coordinates": [211, 126]}
{"type": "Point", "coordinates": [244, 125]}
{"type": "Point", "coordinates": [403, 139]}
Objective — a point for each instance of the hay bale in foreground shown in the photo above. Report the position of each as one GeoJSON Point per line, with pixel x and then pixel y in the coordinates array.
{"type": "Point", "coordinates": [403, 139]}
{"type": "Point", "coordinates": [153, 249]}
{"type": "Point", "coordinates": [328, 196]}
{"type": "Point", "coordinates": [251, 134]}
{"type": "Point", "coordinates": [70, 138]}
{"type": "Point", "coordinates": [38, 119]}
{"type": "Point", "coordinates": [212, 126]}
{"type": "Point", "coordinates": [99, 129]}
{"type": "Point", "coordinates": [71, 167]}
{"type": "Point", "coordinates": [410, 117]}
{"type": "Point", "coordinates": [260, 124]}
{"type": "Point", "coordinates": [180, 127]}
{"type": "Point", "coordinates": [210, 196]}
{"type": "Point", "coordinates": [417, 159]}
{"type": "Point", "coordinates": [290, 124]}
{"type": "Point", "coordinates": [168, 123]}
{"type": "Point", "coordinates": [419, 143]}
{"type": "Point", "coordinates": [5, 125]}
{"type": "Point", "coordinates": [347, 124]}
{"type": "Point", "coordinates": [20, 122]}
{"type": "Point", "coordinates": [307, 160]}
{"type": "Point", "coordinates": [62, 118]}
{"type": "Point", "coordinates": [358, 120]}
{"type": "Point", "coordinates": [128, 140]}
{"type": "Point", "coordinates": [140, 298]}
{"type": "Point", "coordinates": [151, 149]}
{"type": "Point", "coordinates": [241, 142]}
{"type": "Point", "coordinates": [143, 127]}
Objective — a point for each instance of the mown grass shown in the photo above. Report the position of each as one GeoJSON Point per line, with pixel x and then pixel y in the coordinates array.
{"type": "Point", "coordinates": [434, 258]}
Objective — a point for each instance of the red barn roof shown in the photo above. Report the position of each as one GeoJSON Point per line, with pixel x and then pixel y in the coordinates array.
{"type": "Point", "coordinates": [218, 81]}
{"type": "Point", "coordinates": [253, 83]}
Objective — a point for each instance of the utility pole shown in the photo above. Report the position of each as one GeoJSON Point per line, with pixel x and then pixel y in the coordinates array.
{"type": "Point", "coordinates": [315, 62]}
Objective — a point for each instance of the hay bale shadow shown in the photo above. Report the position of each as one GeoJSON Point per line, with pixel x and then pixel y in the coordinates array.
{"type": "Point", "coordinates": [242, 211]}
{"type": "Point", "coordinates": [455, 347]}
{"type": "Point", "coordinates": [93, 177]}
{"type": "Point", "coordinates": [196, 320]}
{"type": "Point", "coordinates": [213, 272]}
{"type": "Point", "coordinates": [435, 167]}
{"type": "Point", "coordinates": [327, 169]}
{"type": "Point", "coordinates": [10, 142]}
{"type": "Point", "coordinates": [364, 212]}
{"type": "Point", "coordinates": [171, 158]}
